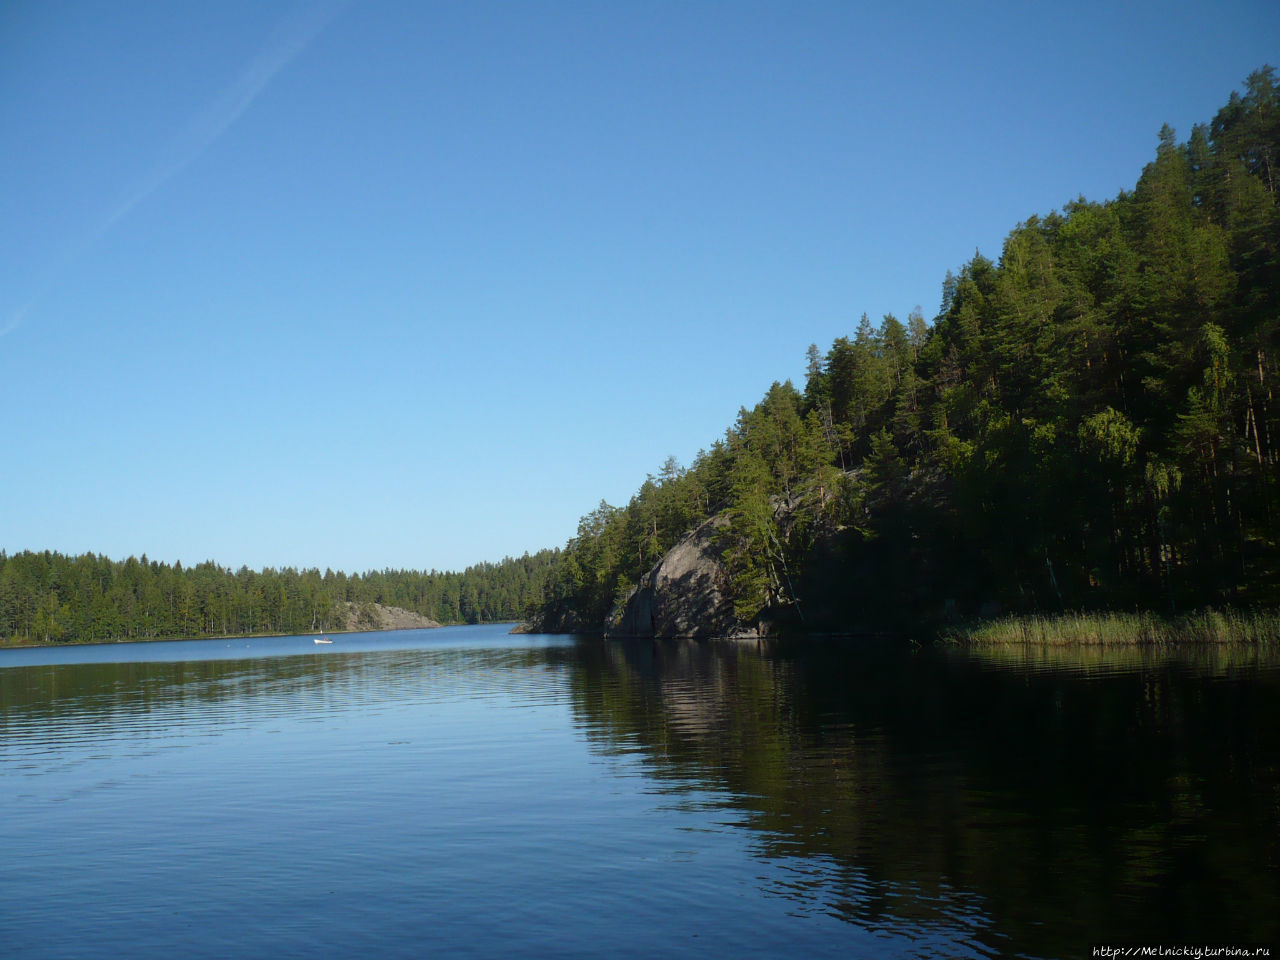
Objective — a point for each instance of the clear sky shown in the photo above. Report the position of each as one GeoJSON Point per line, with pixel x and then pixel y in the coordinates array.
{"type": "Point", "coordinates": [411, 284]}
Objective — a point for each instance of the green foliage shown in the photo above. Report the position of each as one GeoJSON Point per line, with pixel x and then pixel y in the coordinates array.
{"type": "Point", "coordinates": [1090, 421]}
{"type": "Point", "coordinates": [49, 598]}
{"type": "Point", "coordinates": [1208, 626]}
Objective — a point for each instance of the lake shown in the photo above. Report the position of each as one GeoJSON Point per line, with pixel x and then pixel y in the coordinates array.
{"type": "Point", "coordinates": [467, 793]}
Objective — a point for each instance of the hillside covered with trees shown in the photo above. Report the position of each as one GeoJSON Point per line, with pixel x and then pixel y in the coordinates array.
{"type": "Point", "coordinates": [1091, 421]}
{"type": "Point", "coordinates": [48, 597]}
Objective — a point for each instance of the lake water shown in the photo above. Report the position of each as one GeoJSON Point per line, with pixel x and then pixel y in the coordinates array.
{"type": "Point", "coordinates": [465, 793]}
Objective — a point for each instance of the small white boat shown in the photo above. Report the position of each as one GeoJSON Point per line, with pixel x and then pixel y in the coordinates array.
{"type": "Point", "coordinates": [325, 640]}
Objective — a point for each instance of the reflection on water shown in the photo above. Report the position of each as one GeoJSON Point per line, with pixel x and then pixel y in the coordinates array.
{"type": "Point", "coordinates": [1207, 659]}
{"type": "Point", "coordinates": [1067, 797]}
{"type": "Point", "coordinates": [468, 792]}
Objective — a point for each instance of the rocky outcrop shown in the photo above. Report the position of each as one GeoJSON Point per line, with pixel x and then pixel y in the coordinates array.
{"type": "Point", "coordinates": [376, 616]}
{"type": "Point", "coordinates": [683, 595]}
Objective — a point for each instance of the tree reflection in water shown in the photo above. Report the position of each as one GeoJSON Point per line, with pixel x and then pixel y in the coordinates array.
{"type": "Point", "coordinates": [1049, 801]}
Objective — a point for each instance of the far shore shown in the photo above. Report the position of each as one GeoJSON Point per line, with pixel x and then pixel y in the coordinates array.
{"type": "Point", "coordinates": [29, 644]}
{"type": "Point", "coordinates": [40, 644]}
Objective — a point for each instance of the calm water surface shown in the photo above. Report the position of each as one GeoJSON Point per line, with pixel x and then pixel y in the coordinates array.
{"type": "Point", "coordinates": [467, 793]}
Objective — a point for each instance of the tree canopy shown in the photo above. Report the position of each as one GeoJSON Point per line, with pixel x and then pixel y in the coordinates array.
{"type": "Point", "coordinates": [1090, 421]}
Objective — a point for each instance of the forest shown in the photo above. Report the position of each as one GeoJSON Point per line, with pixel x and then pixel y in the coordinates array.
{"type": "Point", "coordinates": [51, 598]}
{"type": "Point", "coordinates": [1090, 422]}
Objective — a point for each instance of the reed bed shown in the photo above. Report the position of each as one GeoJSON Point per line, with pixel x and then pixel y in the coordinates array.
{"type": "Point", "coordinates": [1256, 627]}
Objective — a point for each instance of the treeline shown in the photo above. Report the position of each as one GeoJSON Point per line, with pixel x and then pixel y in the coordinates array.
{"type": "Point", "coordinates": [1090, 421]}
{"type": "Point", "coordinates": [48, 597]}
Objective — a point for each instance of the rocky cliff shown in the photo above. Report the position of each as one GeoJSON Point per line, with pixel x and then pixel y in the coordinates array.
{"type": "Point", "coordinates": [683, 595]}
{"type": "Point", "coordinates": [376, 616]}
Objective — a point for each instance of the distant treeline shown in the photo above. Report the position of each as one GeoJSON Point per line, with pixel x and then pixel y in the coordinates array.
{"type": "Point", "coordinates": [48, 597]}
{"type": "Point", "coordinates": [1091, 421]}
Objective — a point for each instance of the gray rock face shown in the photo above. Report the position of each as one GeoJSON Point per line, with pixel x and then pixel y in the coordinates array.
{"type": "Point", "coordinates": [376, 616]}
{"type": "Point", "coordinates": [682, 596]}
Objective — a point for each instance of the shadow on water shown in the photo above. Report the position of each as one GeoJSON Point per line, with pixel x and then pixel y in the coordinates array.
{"type": "Point", "coordinates": [1056, 800]}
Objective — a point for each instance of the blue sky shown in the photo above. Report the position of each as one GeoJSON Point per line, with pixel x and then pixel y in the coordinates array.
{"type": "Point", "coordinates": [416, 285]}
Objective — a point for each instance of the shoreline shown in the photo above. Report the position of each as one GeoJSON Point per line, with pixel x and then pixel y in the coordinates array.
{"type": "Point", "coordinates": [1257, 626]}
{"type": "Point", "coordinates": [37, 645]}
{"type": "Point", "coordinates": [1207, 626]}
{"type": "Point", "coordinates": [389, 618]}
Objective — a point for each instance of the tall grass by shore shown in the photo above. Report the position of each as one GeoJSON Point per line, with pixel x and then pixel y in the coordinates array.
{"type": "Point", "coordinates": [1260, 627]}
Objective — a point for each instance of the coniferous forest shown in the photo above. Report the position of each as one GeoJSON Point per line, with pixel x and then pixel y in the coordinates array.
{"type": "Point", "coordinates": [1091, 422]}
{"type": "Point", "coordinates": [48, 597]}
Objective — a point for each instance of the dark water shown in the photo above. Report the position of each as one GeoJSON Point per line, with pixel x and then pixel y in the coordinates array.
{"type": "Point", "coordinates": [461, 792]}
